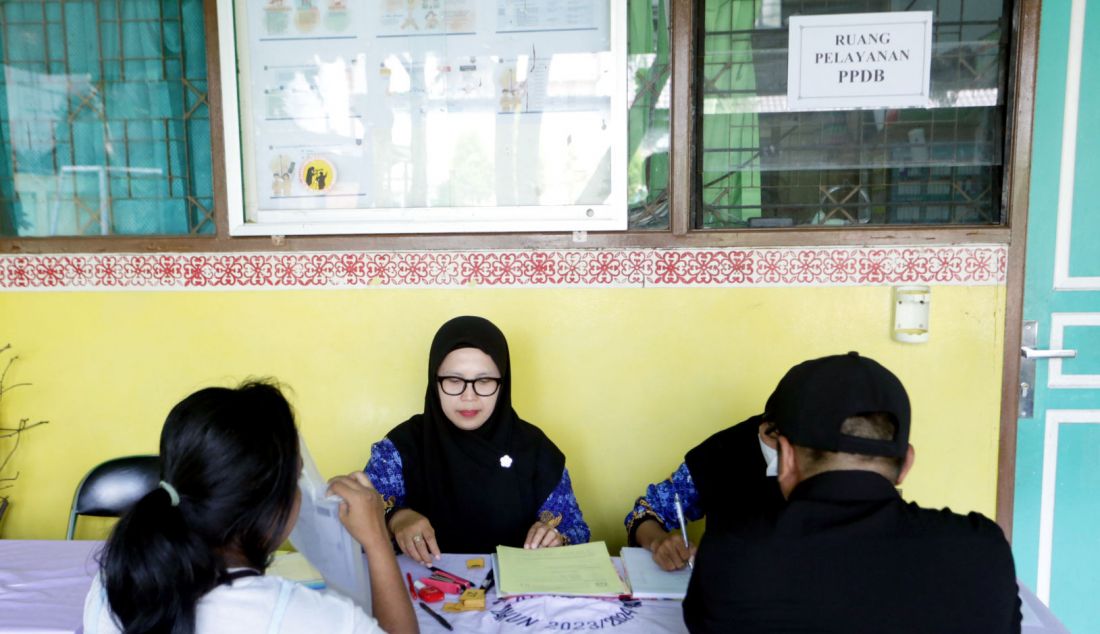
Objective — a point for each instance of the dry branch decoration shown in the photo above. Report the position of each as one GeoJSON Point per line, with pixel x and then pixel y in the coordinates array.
{"type": "Point", "coordinates": [10, 435]}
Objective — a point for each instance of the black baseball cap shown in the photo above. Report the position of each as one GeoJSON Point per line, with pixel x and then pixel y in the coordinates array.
{"type": "Point", "coordinates": [815, 397]}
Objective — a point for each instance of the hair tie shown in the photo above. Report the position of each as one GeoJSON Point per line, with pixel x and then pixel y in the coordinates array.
{"type": "Point", "coordinates": [173, 494]}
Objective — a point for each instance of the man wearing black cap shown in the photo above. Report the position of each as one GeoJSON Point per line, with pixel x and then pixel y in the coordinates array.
{"type": "Point", "coordinates": [847, 554]}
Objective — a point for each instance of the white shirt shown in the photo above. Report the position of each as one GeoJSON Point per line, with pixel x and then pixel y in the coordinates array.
{"type": "Point", "coordinates": [259, 605]}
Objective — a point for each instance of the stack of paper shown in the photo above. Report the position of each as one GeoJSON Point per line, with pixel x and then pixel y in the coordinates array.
{"type": "Point", "coordinates": [648, 580]}
{"type": "Point", "coordinates": [582, 570]}
{"type": "Point", "coordinates": [324, 541]}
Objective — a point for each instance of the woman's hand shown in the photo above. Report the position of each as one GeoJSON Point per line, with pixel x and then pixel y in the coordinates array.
{"type": "Point", "coordinates": [543, 535]}
{"type": "Point", "coordinates": [414, 535]}
{"type": "Point", "coordinates": [361, 512]}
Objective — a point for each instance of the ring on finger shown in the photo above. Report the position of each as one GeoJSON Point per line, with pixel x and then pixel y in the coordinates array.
{"type": "Point", "coordinates": [418, 538]}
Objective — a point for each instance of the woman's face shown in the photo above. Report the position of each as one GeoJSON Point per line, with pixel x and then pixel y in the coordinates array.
{"type": "Point", "coordinates": [467, 410]}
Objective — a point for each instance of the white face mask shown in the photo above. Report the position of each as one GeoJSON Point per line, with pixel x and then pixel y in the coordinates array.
{"type": "Point", "coordinates": [771, 457]}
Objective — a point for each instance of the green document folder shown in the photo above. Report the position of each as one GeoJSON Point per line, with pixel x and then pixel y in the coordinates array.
{"type": "Point", "coordinates": [582, 570]}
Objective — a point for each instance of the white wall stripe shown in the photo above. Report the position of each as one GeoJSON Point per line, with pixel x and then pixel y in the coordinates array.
{"type": "Point", "coordinates": [1055, 417]}
{"type": "Point", "coordinates": [1063, 280]}
{"type": "Point", "coordinates": [1046, 506]}
{"type": "Point", "coordinates": [1055, 377]}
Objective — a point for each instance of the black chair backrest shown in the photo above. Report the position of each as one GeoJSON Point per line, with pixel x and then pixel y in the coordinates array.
{"type": "Point", "coordinates": [111, 488]}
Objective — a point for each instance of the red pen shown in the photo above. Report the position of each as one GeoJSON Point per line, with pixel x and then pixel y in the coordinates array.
{"type": "Point", "coordinates": [412, 588]}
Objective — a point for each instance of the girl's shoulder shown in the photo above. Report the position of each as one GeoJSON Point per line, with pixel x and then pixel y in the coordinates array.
{"type": "Point", "coordinates": [249, 605]}
{"type": "Point", "coordinates": [301, 609]}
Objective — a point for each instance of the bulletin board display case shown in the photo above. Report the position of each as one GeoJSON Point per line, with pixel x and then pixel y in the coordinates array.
{"type": "Point", "coordinates": [420, 116]}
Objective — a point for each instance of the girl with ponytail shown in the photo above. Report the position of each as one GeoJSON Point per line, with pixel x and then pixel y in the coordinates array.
{"type": "Point", "coordinates": [189, 557]}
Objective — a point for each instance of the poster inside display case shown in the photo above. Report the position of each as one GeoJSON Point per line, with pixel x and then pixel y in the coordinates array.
{"type": "Point", "coordinates": [418, 116]}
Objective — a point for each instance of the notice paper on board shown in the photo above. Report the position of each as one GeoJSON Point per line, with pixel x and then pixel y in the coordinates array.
{"type": "Point", "coordinates": [580, 570]}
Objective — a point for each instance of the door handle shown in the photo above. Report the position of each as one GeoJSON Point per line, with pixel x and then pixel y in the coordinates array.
{"type": "Point", "coordinates": [1028, 356]}
{"type": "Point", "coordinates": [1028, 352]}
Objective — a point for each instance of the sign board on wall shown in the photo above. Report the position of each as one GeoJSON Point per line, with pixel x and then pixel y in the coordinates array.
{"type": "Point", "coordinates": [859, 61]}
{"type": "Point", "coordinates": [415, 116]}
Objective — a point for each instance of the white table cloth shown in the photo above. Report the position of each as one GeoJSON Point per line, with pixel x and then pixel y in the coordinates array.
{"type": "Point", "coordinates": [43, 584]}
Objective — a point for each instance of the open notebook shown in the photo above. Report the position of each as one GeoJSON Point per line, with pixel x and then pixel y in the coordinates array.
{"type": "Point", "coordinates": [647, 579]}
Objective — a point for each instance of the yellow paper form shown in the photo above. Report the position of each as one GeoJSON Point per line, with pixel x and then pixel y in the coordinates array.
{"type": "Point", "coordinates": [295, 567]}
{"type": "Point", "coordinates": [581, 570]}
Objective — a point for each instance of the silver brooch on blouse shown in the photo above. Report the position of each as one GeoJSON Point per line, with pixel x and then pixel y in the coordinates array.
{"type": "Point", "coordinates": [506, 461]}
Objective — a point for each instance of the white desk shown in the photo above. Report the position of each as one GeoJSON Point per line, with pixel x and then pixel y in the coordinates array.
{"type": "Point", "coordinates": [43, 584]}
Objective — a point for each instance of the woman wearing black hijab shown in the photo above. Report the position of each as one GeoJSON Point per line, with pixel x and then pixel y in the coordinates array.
{"type": "Point", "coordinates": [468, 474]}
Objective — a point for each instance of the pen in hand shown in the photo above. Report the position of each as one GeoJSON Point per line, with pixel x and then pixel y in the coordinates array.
{"type": "Point", "coordinates": [683, 527]}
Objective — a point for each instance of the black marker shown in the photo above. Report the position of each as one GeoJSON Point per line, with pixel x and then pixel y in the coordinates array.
{"type": "Point", "coordinates": [488, 583]}
{"type": "Point", "coordinates": [435, 615]}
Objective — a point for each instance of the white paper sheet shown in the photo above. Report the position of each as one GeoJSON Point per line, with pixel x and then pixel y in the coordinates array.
{"type": "Point", "coordinates": [648, 581]}
{"type": "Point", "coordinates": [324, 541]}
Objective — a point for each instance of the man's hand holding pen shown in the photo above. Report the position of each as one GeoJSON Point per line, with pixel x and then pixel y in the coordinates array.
{"type": "Point", "coordinates": [670, 553]}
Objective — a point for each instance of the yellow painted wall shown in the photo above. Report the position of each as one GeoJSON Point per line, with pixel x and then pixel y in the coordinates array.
{"type": "Point", "coordinates": [623, 380]}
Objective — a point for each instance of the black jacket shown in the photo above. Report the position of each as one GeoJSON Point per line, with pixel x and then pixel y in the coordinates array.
{"type": "Point", "coordinates": [728, 472]}
{"type": "Point", "coordinates": [847, 554]}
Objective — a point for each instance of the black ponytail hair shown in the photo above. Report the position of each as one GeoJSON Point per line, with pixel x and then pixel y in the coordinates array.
{"type": "Point", "coordinates": [233, 457]}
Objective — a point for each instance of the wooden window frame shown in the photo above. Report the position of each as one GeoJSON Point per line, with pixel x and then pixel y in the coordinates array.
{"type": "Point", "coordinates": [685, 23]}
{"type": "Point", "coordinates": [1022, 66]}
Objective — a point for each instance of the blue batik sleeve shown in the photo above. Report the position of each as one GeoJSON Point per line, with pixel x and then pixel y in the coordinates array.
{"type": "Point", "coordinates": [561, 508]}
{"type": "Point", "coordinates": [384, 471]}
{"type": "Point", "coordinates": [659, 504]}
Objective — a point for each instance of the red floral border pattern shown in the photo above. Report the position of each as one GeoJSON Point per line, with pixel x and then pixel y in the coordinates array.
{"type": "Point", "coordinates": [732, 267]}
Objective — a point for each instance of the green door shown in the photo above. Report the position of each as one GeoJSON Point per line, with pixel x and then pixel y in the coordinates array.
{"type": "Point", "coordinates": [1056, 528]}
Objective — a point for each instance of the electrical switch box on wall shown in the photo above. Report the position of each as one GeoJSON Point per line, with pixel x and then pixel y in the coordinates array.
{"type": "Point", "coordinates": [912, 305]}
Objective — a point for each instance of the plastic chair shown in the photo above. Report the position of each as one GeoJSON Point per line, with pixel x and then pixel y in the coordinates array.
{"type": "Point", "coordinates": [110, 489]}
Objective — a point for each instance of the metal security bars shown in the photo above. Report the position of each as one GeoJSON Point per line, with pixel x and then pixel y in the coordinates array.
{"type": "Point", "coordinates": [764, 166]}
{"type": "Point", "coordinates": [104, 118]}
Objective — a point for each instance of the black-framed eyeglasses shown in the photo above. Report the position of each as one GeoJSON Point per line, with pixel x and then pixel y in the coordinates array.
{"type": "Point", "coordinates": [456, 385]}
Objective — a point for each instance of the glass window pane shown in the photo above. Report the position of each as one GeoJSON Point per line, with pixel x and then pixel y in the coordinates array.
{"type": "Point", "coordinates": [765, 166]}
{"type": "Point", "coordinates": [104, 128]}
{"type": "Point", "coordinates": [648, 92]}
